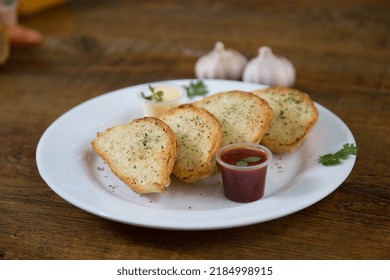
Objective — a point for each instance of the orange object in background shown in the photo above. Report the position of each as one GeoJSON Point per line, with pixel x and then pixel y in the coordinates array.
{"type": "Point", "coordinates": [23, 36]}
{"type": "Point", "coordinates": [4, 44]}
{"type": "Point", "coordinates": [28, 7]}
{"type": "Point", "coordinates": [14, 34]}
{"type": "Point", "coordinates": [20, 35]}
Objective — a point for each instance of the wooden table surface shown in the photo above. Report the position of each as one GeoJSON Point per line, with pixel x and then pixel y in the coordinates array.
{"type": "Point", "coordinates": [341, 54]}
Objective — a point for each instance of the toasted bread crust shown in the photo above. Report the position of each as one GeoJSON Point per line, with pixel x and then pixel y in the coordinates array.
{"type": "Point", "coordinates": [294, 116]}
{"type": "Point", "coordinates": [199, 136]}
{"type": "Point", "coordinates": [141, 153]}
{"type": "Point", "coordinates": [243, 116]}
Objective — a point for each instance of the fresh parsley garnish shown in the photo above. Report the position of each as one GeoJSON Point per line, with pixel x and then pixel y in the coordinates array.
{"type": "Point", "coordinates": [196, 89]}
{"type": "Point", "coordinates": [156, 96]}
{"type": "Point", "coordinates": [247, 160]}
{"type": "Point", "coordinates": [336, 158]}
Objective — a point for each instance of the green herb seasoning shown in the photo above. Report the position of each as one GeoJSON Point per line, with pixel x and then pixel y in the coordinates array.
{"type": "Point", "coordinates": [145, 140]}
{"type": "Point", "coordinates": [196, 89]}
{"type": "Point", "coordinates": [156, 96]}
{"type": "Point", "coordinates": [336, 158]}
{"type": "Point", "coordinates": [245, 161]}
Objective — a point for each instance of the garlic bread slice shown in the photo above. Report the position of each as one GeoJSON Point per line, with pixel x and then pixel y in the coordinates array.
{"type": "Point", "coordinates": [294, 116]}
{"type": "Point", "coordinates": [243, 116]}
{"type": "Point", "coordinates": [141, 153]}
{"type": "Point", "coordinates": [199, 136]}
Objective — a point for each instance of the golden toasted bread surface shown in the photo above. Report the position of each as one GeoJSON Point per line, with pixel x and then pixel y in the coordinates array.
{"type": "Point", "coordinates": [199, 136]}
{"type": "Point", "coordinates": [294, 116]}
{"type": "Point", "coordinates": [243, 116]}
{"type": "Point", "coordinates": [141, 153]}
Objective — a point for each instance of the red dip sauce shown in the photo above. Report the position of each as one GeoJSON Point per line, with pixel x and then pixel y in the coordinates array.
{"type": "Point", "coordinates": [243, 173]}
{"type": "Point", "coordinates": [235, 155]}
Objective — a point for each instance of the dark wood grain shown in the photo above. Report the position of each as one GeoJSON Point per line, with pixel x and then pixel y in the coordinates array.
{"type": "Point", "coordinates": [342, 56]}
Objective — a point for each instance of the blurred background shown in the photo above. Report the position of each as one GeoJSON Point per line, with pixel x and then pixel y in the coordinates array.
{"type": "Point", "coordinates": [328, 42]}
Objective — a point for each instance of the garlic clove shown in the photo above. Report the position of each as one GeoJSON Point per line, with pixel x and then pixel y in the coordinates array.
{"type": "Point", "coordinates": [269, 69]}
{"type": "Point", "coordinates": [220, 63]}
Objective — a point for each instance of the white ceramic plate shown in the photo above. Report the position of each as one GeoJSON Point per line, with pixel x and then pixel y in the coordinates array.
{"type": "Point", "coordinates": [71, 169]}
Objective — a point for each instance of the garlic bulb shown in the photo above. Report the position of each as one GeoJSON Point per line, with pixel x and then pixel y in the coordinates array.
{"type": "Point", "coordinates": [269, 69]}
{"type": "Point", "coordinates": [220, 63]}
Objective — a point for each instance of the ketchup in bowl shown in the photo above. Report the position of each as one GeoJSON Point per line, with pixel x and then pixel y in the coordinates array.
{"type": "Point", "coordinates": [244, 169]}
